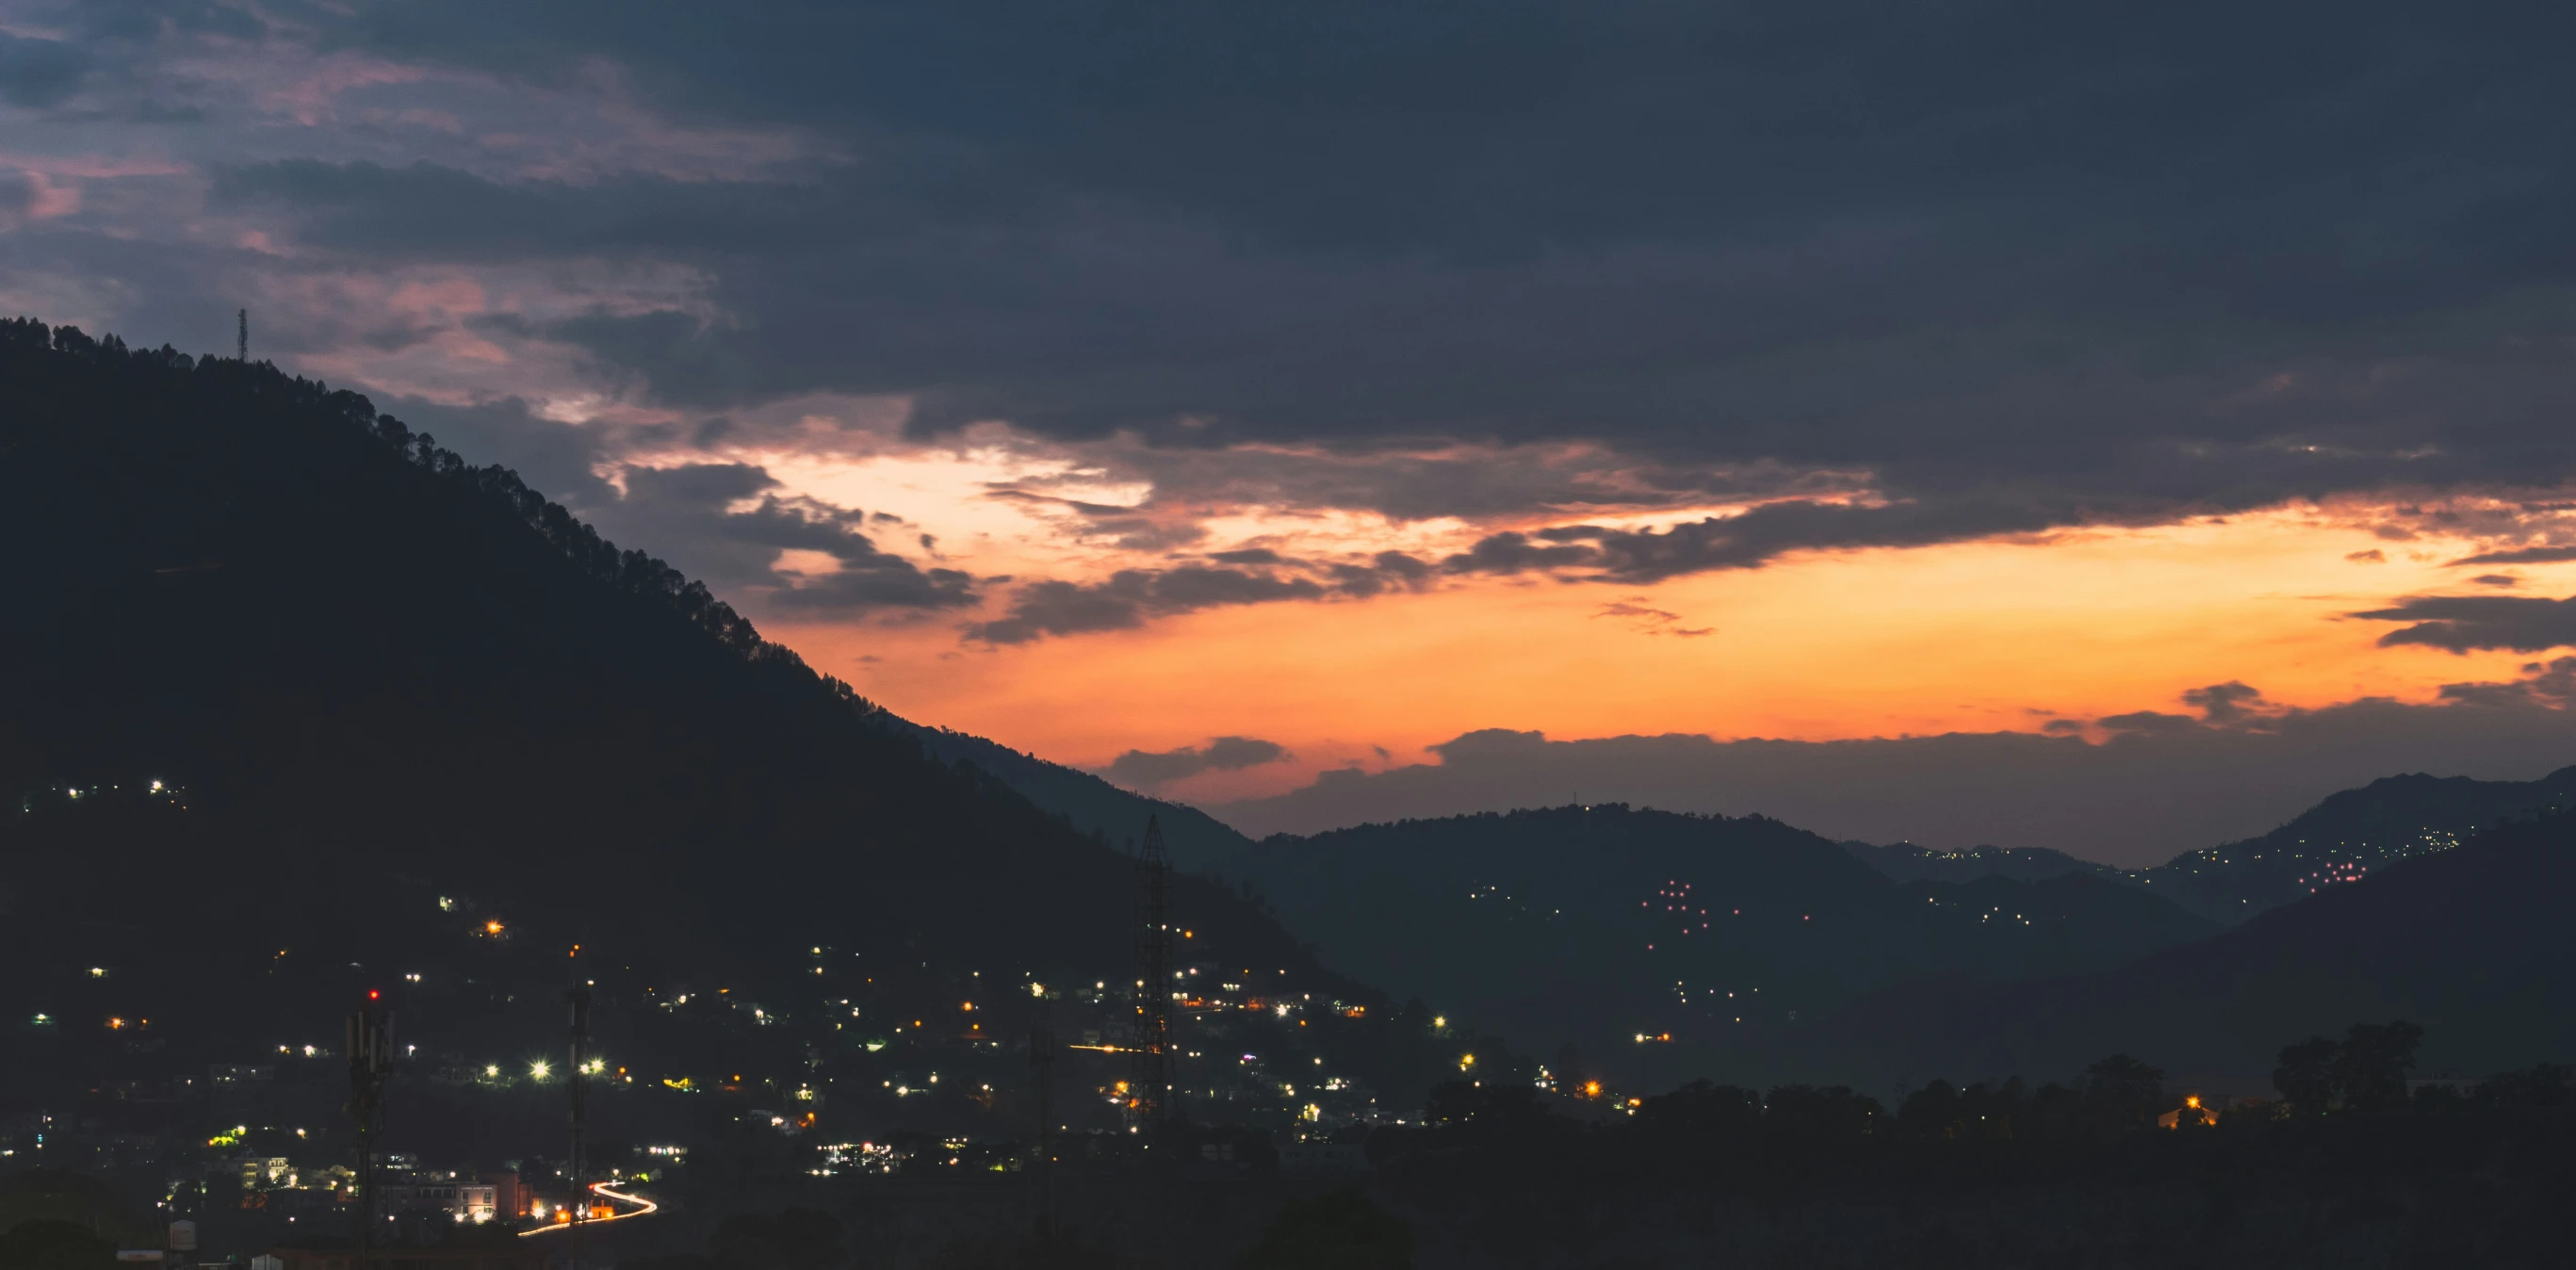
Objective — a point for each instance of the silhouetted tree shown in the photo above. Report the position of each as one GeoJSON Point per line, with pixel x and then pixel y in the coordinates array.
{"type": "Point", "coordinates": [2122, 1092]}
{"type": "Point", "coordinates": [1339, 1231]}
{"type": "Point", "coordinates": [2544, 1086]}
{"type": "Point", "coordinates": [1825, 1113]}
{"type": "Point", "coordinates": [1930, 1112]}
{"type": "Point", "coordinates": [795, 1239]}
{"type": "Point", "coordinates": [2370, 1069]}
{"type": "Point", "coordinates": [48, 1244]}
{"type": "Point", "coordinates": [2305, 1076]}
{"type": "Point", "coordinates": [1569, 1069]}
{"type": "Point", "coordinates": [1037, 1250]}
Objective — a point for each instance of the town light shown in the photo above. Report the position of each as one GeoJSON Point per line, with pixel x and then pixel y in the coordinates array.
{"type": "Point", "coordinates": [539, 1069]}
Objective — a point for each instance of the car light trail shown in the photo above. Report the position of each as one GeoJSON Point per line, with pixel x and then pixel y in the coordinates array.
{"type": "Point", "coordinates": [643, 1207]}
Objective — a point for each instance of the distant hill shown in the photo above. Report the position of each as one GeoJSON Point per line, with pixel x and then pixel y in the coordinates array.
{"type": "Point", "coordinates": [1906, 862]}
{"type": "Point", "coordinates": [1593, 924]}
{"type": "Point", "coordinates": [1538, 922]}
{"type": "Point", "coordinates": [392, 697]}
{"type": "Point", "coordinates": [2341, 839]}
{"type": "Point", "coordinates": [2472, 943]}
{"type": "Point", "coordinates": [1199, 842]}
{"type": "Point", "coordinates": [2348, 836]}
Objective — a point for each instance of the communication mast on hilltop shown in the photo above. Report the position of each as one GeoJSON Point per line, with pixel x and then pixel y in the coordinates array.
{"type": "Point", "coordinates": [1150, 1085]}
{"type": "Point", "coordinates": [241, 335]}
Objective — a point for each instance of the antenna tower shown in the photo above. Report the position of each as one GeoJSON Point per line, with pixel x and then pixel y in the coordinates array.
{"type": "Point", "coordinates": [1042, 1068]}
{"type": "Point", "coordinates": [1150, 1086]}
{"type": "Point", "coordinates": [241, 335]}
{"type": "Point", "coordinates": [371, 1068]}
{"type": "Point", "coordinates": [579, 999]}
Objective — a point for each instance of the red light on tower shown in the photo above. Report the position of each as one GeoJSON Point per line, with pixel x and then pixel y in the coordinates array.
{"type": "Point", "coordinates": [374, 995]}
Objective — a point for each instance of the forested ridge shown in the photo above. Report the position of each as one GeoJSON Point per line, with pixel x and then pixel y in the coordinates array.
{"type": "Point", "coordinates": [375, 676]}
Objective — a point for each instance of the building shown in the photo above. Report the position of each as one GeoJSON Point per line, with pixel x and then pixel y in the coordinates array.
{"type": "Point", "coordinates": [509, 1198]}
{"type": "Point", "coordinates": [465, 1201]}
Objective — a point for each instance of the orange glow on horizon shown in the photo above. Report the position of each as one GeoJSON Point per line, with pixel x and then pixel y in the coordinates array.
{"type": "Point", "coordinates": [1977, 637]}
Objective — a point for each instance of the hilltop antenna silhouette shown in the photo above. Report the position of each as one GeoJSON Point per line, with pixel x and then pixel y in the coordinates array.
{"type": "Point", "coordinates": [241, 335]}
{"type": "Point", "coordinates": [1150, 1084]}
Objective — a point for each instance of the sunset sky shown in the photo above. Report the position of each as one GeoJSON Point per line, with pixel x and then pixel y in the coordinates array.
{"type": "Point", "coordinates": [2116, 431]}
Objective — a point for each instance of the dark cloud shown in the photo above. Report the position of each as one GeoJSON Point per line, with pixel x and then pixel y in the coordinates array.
{"type": "Point", "coordinates": [2225, 703]}
{"type": "Point", "coordinates": [2372, 556]}
{"type": "Point", "coordinates": [2519, 555]}
{"type": "Point", "coordinates": [1129, 597]}
{"type": "Point", "coordinates": [729, 526]}
{"type": "Point", "coordinates": [2019, 265]}
{"type": "Point", "coordinates": [1386, 571]}
{"type": "Point", "coordinates": [1515, 552]}
{"type": "Point", "coordinates": [424, 211]}
{"type": "Point", "coordinates": [2461, 623]}
{"type": "Point", "coordinates": [1145, 769]}
{"type": "Point", "coordinates": [2112, 801]}
{"type": "Point", "coordinates": [2496, 579]}
{"type": "Point", "coordinates": [2148, 723]}
{"type": "Point", "coordinates": [39, 73]}
{"type": "Point", "coordinates": [560, 459]}
{"type": "Point", "coordinates": [1753, 538]}
{"type": "Point", "coordinates": [1647, 619]}
{"type": "Point", "coordinates": [2550, 683]}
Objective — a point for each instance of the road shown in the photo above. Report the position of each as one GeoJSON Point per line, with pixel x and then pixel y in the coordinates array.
{"type": "Point", "coordinates": [643, 1207]}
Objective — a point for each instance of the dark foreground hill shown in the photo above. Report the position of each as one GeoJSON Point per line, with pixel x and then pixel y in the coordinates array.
{"type": "Point", "coordinates": [394, 699]}
{"type": "Point", "coordinates": [2474, 944]}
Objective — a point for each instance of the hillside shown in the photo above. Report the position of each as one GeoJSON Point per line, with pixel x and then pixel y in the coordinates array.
{"type": "Point", "coordinates": [1593, 924]}
{"type": "Point", "coordinates": [2342, 839]}
{"type": "Point", "coordinates": [1199, 842]}
{"type": "Point", "coordinates": [1906, 862]}
{"type": "Point", "coordinates": [2472, 943]}
{"type": "Point", "coordinates": [2348, 836]}
{"type": "Point", "coordinates": [416, 729]}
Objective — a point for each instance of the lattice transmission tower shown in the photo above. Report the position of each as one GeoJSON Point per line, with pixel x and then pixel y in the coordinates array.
{"type": "Point", "coordinates": [1150, 1085]}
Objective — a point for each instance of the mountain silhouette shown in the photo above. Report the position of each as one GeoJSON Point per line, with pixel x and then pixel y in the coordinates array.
{"type": "Point", "coordinates": [2348, 836]}
{"type": "Point", "coordinates": [1907, 862]}
{"type": "Point", "coordinates": [1537, 922]}
{"type": "Point", "coordinates": [389, 696]}
{"type": "Point", "coordinates": [1199, 842]}
{"type": "Point", "coordinates": [1595, 924]}
{"type": "Point", "coordinates": [2471, 943]}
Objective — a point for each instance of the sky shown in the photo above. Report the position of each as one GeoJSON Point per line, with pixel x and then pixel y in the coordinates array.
{"type": "Point", "coordinates": [1999, 422]}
